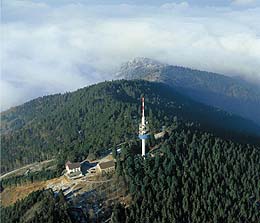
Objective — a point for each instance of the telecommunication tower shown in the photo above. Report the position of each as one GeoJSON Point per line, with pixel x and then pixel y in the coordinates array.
{"type": "Point", "coordinates": [143, 129]}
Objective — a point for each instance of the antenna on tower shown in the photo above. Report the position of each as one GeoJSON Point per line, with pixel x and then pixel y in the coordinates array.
{"type": "Point", "coordinates": [143, 129]}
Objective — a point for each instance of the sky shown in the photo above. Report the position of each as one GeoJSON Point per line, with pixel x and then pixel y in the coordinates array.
{"type": "Point", "coordinates": [57, 46]}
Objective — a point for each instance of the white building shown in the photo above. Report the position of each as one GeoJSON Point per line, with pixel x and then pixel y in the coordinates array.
{"type": "Point", "coordinates": [72, 167]}
{"type": "Point", "coordinates": [106, 167]}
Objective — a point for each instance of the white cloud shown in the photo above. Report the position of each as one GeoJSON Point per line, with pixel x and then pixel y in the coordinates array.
{"type": "Point", "coordinates": [69, 46]}
{"type": "Point", "coordinates": [244, 2]}
{"type": "Point", "coordinates": [173, 5]}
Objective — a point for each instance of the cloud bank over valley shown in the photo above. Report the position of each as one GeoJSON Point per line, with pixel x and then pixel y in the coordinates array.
{"type": "Point", "coordinates": [50, 48]}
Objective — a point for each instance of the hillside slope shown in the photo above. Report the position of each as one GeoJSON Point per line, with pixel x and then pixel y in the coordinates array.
{"type": "Point", "coordinates": [92, 119]}
{"type": "Point", "coordinates": [227, 93]}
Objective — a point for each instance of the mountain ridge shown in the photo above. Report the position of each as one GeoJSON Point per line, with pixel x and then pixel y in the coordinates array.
{"type": "Point", "coordinates": [94, 118]}
{"type": "Point", "coordinates": [227, 93]}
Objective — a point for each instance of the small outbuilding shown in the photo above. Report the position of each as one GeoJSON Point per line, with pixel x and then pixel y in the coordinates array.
{"type": "Point", "coordinates": [159, 135]}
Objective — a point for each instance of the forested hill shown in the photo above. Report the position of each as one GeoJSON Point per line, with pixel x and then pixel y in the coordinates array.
{"type": "Point", "coordinates": [92, 119]}
{"type": "Point", "coordinates": [227, 93]}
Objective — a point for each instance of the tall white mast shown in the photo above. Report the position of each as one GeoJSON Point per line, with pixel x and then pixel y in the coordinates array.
{"type": "Point", "coordinates": [143, 124]}
{"type": "Point", "coordinates": [143, 129]}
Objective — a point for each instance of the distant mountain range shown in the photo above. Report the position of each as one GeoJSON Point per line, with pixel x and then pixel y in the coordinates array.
{"type": "Point", "coordinates": [227, 93]}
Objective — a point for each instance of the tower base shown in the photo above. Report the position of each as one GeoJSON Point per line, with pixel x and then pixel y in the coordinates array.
{"type": "Point", "coordinates": [143, 147]}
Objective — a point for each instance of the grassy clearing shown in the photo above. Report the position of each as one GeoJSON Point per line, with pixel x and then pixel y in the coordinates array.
{"type": "Point", "coordinates": [11, 194]}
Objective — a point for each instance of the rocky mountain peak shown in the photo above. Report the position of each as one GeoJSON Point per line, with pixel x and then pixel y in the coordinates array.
{"type": "Point", "coordinates": [142, 61]}
{"type": "Point", "coordinates": [139, 66]}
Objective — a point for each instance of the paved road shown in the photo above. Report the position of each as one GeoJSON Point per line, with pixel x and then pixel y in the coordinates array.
{"type": "Point", "coordinates": [25, 168]}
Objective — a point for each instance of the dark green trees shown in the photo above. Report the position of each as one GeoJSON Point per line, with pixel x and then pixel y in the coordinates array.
{"type": "Point", "coordinates": [194, 178]}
